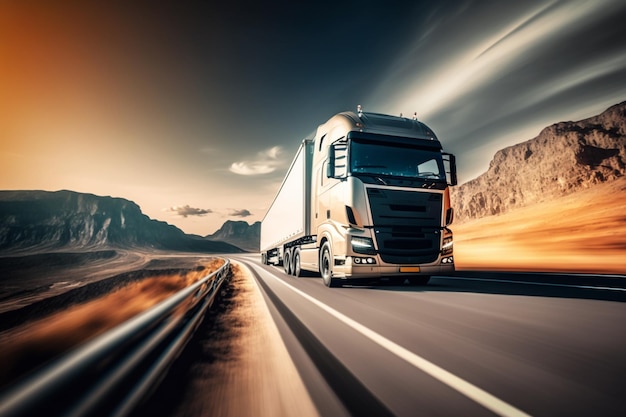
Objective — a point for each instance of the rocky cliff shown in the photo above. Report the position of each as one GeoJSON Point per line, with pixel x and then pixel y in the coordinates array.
{"type": "Point", "coordinates": [42, 220]}
{"type": "Point", "coordinates": [239, 233]}
{"type": "Point", "coordinates": [563, 158]}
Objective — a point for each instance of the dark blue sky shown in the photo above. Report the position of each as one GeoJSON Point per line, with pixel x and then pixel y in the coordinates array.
{"type": "Point", "coordinates": [198, 109]}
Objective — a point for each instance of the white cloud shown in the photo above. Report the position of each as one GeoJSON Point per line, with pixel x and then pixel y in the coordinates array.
{"type": "Point", "coordinates": [265, 162]}
{"type": "Point", "coordinates": [272, 152]}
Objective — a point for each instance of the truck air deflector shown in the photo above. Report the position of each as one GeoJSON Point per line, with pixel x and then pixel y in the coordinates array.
{"type": "Point", "coordinates": [425, 143]}
{"type": "Point", "coordinates": [406, 224]}
{"type": "Point", "coordinates": [386, 124]}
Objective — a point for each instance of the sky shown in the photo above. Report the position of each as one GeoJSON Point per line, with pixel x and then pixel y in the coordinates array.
{"type": "Point", "coordinates": [194, 110]}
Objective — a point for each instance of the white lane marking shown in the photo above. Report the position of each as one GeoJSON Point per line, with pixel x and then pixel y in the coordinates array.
{"type": "Point", "coordinates": [545, 284]}
{"type": "Point", "coordinates": [471, 391]}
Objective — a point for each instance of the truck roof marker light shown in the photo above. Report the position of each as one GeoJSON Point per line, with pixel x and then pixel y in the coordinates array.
{"type": "Point", "coordinates": [359, 110]}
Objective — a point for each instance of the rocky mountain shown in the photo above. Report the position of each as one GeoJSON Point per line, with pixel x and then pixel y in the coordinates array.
{"type": "Point", "coordinates": [562, 159]}
{"type": "Point", "coordinates": [42, 220]}
{"type": "Point", "coordinates": [239, 233]}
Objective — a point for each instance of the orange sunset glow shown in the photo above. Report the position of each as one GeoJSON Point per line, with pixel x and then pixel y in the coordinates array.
{"type": "Point", "coordinates": [170, 106]}
{"type": "Point", "coordinates": [290, 208]}
{"type": "Point", "coordinates": [88, 103]}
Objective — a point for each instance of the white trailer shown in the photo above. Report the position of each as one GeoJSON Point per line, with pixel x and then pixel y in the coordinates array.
{"type": "Point", "coordinates": [288, 219]}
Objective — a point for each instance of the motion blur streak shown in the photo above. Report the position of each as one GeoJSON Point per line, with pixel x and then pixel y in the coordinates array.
{"type": "Point", "coordinates": [578, 233]}
{"type": "Point", "coordinates": [471, 391]}
{"type": "Point", "coordinates": [498, 52]}
{"type": "Point", "coordinates": [476, 67]}
{"type": "Point", "coordinates": [488, 74]}
{"type": "Point", "coordinates": [37, 342]}
{"type": "Point", "coordinates": [572, 79]}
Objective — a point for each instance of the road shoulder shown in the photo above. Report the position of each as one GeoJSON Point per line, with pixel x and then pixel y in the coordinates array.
{"type": "Point", "coordinates": [243, 367]}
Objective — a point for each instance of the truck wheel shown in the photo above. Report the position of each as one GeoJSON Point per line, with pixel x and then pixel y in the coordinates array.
{"type": "Point", "coordinates": [287, 262]}
{"type": "Point", "coordinates": [326, 261]}
{"type": "Point", "coordinates": [295, 269]}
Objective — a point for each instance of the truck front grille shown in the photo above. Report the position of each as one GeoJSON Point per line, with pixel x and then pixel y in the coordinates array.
{"type": "Point", "coordinates": [407, 225]}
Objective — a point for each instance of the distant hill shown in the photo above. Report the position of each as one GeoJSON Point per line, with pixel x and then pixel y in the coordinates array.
{"type": "Point", "coordinates": [45, 221]}
{"type": "Point", "coordinates": [564, 158]}
{"type": "Point", "coordinates": [239, 233]}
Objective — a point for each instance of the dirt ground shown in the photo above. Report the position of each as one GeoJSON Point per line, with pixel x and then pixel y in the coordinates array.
{"type": "Point", "coordinates": [47, 330]}
{"type": "Point", "coordinates": [236, 364]}
{"type": "Point", "coordinates": [583, 232]}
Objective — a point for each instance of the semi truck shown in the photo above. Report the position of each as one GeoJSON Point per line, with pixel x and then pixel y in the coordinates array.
{"type": "Point", "coordinates": [366, 197]}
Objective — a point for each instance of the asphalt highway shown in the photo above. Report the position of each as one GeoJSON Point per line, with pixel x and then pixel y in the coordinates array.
{"type": "Point", "coordinates": [473, 344]}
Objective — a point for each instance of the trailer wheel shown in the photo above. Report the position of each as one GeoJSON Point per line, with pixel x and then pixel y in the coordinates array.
{"type": "Point", "coordinates": [326, 261]}
{"type": "Point", "coordinates": [287, 262]}
{"type": "Point", "coordinates": [296, 269]}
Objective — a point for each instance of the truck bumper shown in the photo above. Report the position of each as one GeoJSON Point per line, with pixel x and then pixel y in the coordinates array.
{"type": "Point", "coordinates": [349, 269]}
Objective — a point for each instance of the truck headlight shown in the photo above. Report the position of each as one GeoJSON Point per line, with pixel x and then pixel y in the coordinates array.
{"type": "Point", "coordinates": [446, 249]}
{"type": "Point", "coordinates": [364, 245]}
{"type": "Point", "coordinates": [363, 260]}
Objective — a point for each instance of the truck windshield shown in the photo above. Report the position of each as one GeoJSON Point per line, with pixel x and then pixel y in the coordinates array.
{"type": "Point", "coordinates": [376, 158]}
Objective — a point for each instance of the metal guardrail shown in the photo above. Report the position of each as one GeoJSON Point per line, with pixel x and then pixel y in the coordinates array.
{"type": "Point", "coordinates": [110, 375]}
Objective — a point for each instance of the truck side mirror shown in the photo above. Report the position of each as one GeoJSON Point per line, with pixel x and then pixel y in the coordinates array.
{"type": "Point", "coordinates": [449, 162]}
{"type": "Point", "coordinates": [337, 157]}
{"type": "Point", "coordinates": [330, 166]}
{"type": "Point", "coordinates": [449, 216]}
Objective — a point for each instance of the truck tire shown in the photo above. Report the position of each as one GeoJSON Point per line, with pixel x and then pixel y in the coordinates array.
{"type": "Point", "coordinates": [295, 268]}
{"type": "Point", "coordinates": [326, 262]}
{"type": "Point", "coordinates": [287, 262]}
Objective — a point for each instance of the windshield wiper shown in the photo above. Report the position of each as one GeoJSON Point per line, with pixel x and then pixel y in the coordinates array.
{"type": "Point", "coordinates": [385, 179]}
